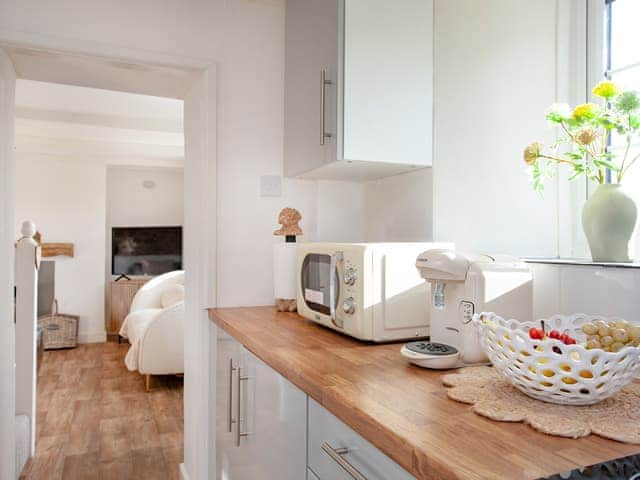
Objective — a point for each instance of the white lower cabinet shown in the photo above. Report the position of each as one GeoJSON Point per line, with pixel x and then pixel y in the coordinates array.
{"type": "Point", "coordinates": [335, 452]}
{"type": "Point", "coordinates": [269, 441]}
{"type": "Point", "coordinates": [228, 458]}
{"type": "Point", "coordinates": [282, 434]}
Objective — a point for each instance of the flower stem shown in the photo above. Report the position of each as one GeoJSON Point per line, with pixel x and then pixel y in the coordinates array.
{"type": "Point", "coordinates": [626, 151]}
{"type": "Point", "coordinates": [556, 159]}
{"type": "Point", "coordinates": [631, 163]}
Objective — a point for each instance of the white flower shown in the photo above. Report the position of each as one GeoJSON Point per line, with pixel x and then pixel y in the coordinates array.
{"type": "Point", "coordinates": [559, 111]}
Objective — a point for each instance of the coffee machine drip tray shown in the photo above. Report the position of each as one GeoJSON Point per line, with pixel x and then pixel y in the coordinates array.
{"type": "Point", "coordinates": [429, 348]}
{"type": "Point", "coordinates": [431, 355]}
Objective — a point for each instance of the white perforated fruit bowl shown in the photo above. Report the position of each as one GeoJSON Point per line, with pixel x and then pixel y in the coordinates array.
{"type": "Point", "coordinates": [548, 369]}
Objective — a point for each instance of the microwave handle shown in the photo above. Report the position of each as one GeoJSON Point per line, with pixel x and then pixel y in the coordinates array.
{"type": "Point", "coordinates": [333, 267]}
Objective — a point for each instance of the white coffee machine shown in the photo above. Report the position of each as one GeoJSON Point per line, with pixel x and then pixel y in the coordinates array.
{"type": "Point", "coordinates": [462, 285]}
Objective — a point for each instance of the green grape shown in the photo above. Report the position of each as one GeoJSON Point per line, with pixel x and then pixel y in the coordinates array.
{"type": "Point", "coordinates": [591, 344]}
{"type": "Point", "coordinates": [606, 341]}
{"type": "Point", "coordinates": [620, 335]}
{"type": "Point", "coordinates": [615, 347]}
{"type": "Point", "coordinates": [622, 324]}
{"type": "Point", "coordinates": [599, 324]}
{"type": "Point", "coordinates": [634, 332]}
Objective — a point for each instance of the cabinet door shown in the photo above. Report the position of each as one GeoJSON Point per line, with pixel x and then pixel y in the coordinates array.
{"type": "Point", "coordinates": [275, 419]}
{"type": "Point", "coordinates": [228, 457]}
{"type": "Point", "coordinates": [311, 47]}
{"type": "Point", "coordinates": [388, 81]}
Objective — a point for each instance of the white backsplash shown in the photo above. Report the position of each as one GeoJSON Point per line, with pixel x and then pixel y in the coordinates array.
{"type": "Point", "coordinates": [607, 291]}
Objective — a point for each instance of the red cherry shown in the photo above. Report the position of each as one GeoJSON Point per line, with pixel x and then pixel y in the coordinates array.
{"type": "Point", "coordinates": [563, 338]}
{"type": "Point", "coordinates": [536, 333]}
{"type": "Point", "coordinates": [555, 334]}
{"type": "Point", "coordinates": [570, 341]}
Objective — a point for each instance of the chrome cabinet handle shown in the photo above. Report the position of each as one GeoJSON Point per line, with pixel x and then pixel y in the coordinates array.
{"type": "Point", "coordinates": [333, 266]}
{"type": "Point", "coordinates": [230, 419]}
{"type": "Point", "coordinates": [336, 455]}
{"type": "Point", "coordinates": [239, 432]}
{"type": "Point", "coordinates": [323, 83]}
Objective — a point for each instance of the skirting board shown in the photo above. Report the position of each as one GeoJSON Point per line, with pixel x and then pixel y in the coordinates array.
{"type": "Point", "coordinates": [92, 337]}
{"type": "Point", "coordinates": [183, 472]}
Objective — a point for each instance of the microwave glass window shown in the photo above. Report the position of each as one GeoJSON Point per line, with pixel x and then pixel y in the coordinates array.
{"type": "Point", "coordinates": [316, 272]}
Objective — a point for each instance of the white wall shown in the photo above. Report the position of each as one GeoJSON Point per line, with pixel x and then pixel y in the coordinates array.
{"type": "Point", "coordinates": [494, 78]}
{"type": "Point", "coordinates": [341, 208]}
{"type": "Point", "coordinates": [66, 200]}
{"type": "Point", "coordinates": [400, 208]}
{"type": "Point", "coordinates": [7, 329]}
{"type": "Point", "coordinates": [250, 136]}
{"type": "Point", "coordinates": [129, 203]}
{"type": "Point", "coordinates": [246, 40]}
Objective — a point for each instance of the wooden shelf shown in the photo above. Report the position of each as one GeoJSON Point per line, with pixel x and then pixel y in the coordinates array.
{"type": "Point", "coordinates": [57, 249]}
{"type": "Point", "coordinates": [53, 249]}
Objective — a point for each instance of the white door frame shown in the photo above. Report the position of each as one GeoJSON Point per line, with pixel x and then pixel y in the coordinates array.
{"type": "Point", "coordinates": [199, 248]}
{"type": "Point", "coordinates": [7, 329]}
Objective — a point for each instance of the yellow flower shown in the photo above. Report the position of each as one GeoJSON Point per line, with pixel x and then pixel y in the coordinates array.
{"type": "Point", "coordinates": [586, 111]}
{"type": "Point", "coordinates": [532, 152]}
{"type": "Point", "coordinates": [586, 136]}
{"type": "Point", "coordinates": [606, 89]}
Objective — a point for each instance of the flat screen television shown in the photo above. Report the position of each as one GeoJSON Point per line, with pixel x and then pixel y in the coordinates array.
{"type": "Point", "coordinates": [145, 250]}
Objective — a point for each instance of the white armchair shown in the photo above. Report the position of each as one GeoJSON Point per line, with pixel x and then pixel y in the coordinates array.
{"type": "Point", "coordinates": [154, 327]}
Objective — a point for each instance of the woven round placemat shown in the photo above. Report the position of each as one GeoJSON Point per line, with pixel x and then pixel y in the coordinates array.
{"type": "Point", "coordinates": [616, 418]}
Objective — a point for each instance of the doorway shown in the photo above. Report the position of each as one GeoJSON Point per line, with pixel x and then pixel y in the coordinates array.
{"type": "Point", "coordinates": [136, 74]}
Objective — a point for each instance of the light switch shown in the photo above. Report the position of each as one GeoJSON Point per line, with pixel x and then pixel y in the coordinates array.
{"type": "Point", "coordinates": [270, 186]}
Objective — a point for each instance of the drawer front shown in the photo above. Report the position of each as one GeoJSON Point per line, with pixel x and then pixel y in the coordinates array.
{"type": "Point", "coordinates": [325, 429]}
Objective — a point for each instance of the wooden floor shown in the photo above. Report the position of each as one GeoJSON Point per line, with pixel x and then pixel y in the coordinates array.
{"type": "Point", "coordinates": [95, 420]}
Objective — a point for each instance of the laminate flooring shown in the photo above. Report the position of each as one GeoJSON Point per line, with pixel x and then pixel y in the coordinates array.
{"type": "Point", "coordinates": [95, 420]}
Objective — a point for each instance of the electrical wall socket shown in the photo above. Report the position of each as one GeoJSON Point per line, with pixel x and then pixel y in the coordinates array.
{"type": "Point", "coordinates": [270, 186]}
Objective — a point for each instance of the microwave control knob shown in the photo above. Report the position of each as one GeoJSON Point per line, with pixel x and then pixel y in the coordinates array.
{"type": "Point", "coordinates": [350, 276]}
{"type": "Point", "coordinates": [349, 305]}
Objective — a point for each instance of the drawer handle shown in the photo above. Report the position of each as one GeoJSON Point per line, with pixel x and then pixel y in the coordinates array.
{"type": "Point", "coordinates": [230, 420]}
{"type": "Point", "coordinates": [323, 85]}
{"type": "Point", "coordinates": [337, 455]}
{"type": "Point", "coordinates": [240, 433]}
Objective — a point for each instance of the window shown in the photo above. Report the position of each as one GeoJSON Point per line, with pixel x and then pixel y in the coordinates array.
{"type": "Point", "coordinates": [622, 65]}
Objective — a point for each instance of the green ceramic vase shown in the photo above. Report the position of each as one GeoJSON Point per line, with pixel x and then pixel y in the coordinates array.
{"type": "Point", "coordinates": [609, 220]}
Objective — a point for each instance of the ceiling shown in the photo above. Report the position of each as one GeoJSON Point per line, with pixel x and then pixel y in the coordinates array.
{"type": "Point", "coordinates": [112, 126]}
{"type": "Point", "coordinates": [109, 74]}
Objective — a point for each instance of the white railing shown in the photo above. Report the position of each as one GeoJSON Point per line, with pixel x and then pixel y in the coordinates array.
{"type": "Point", "coordinates": [27, 260]}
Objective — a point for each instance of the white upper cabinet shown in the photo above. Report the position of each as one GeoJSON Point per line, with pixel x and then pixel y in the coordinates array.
{"type": "Point", "coordinates": [358, 88]}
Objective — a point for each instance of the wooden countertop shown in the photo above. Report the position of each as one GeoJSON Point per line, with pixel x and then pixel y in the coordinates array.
{"type": "Point", "coordinates": [402, 409]}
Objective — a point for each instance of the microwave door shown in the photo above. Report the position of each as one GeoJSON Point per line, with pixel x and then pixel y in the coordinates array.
{"type": "Point", "coordinates": [320, 283]}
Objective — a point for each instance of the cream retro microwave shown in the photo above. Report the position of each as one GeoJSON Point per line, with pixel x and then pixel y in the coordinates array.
{"type": "Point", "coordinates": [370, 291]}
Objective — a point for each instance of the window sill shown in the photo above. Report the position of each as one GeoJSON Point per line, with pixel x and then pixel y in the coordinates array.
{"type": "Point", "coordinates": [582, 262]}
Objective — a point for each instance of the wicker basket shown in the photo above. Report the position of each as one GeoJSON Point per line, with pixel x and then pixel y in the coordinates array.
{"type": "Point", "coordinates": [59, 330]}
